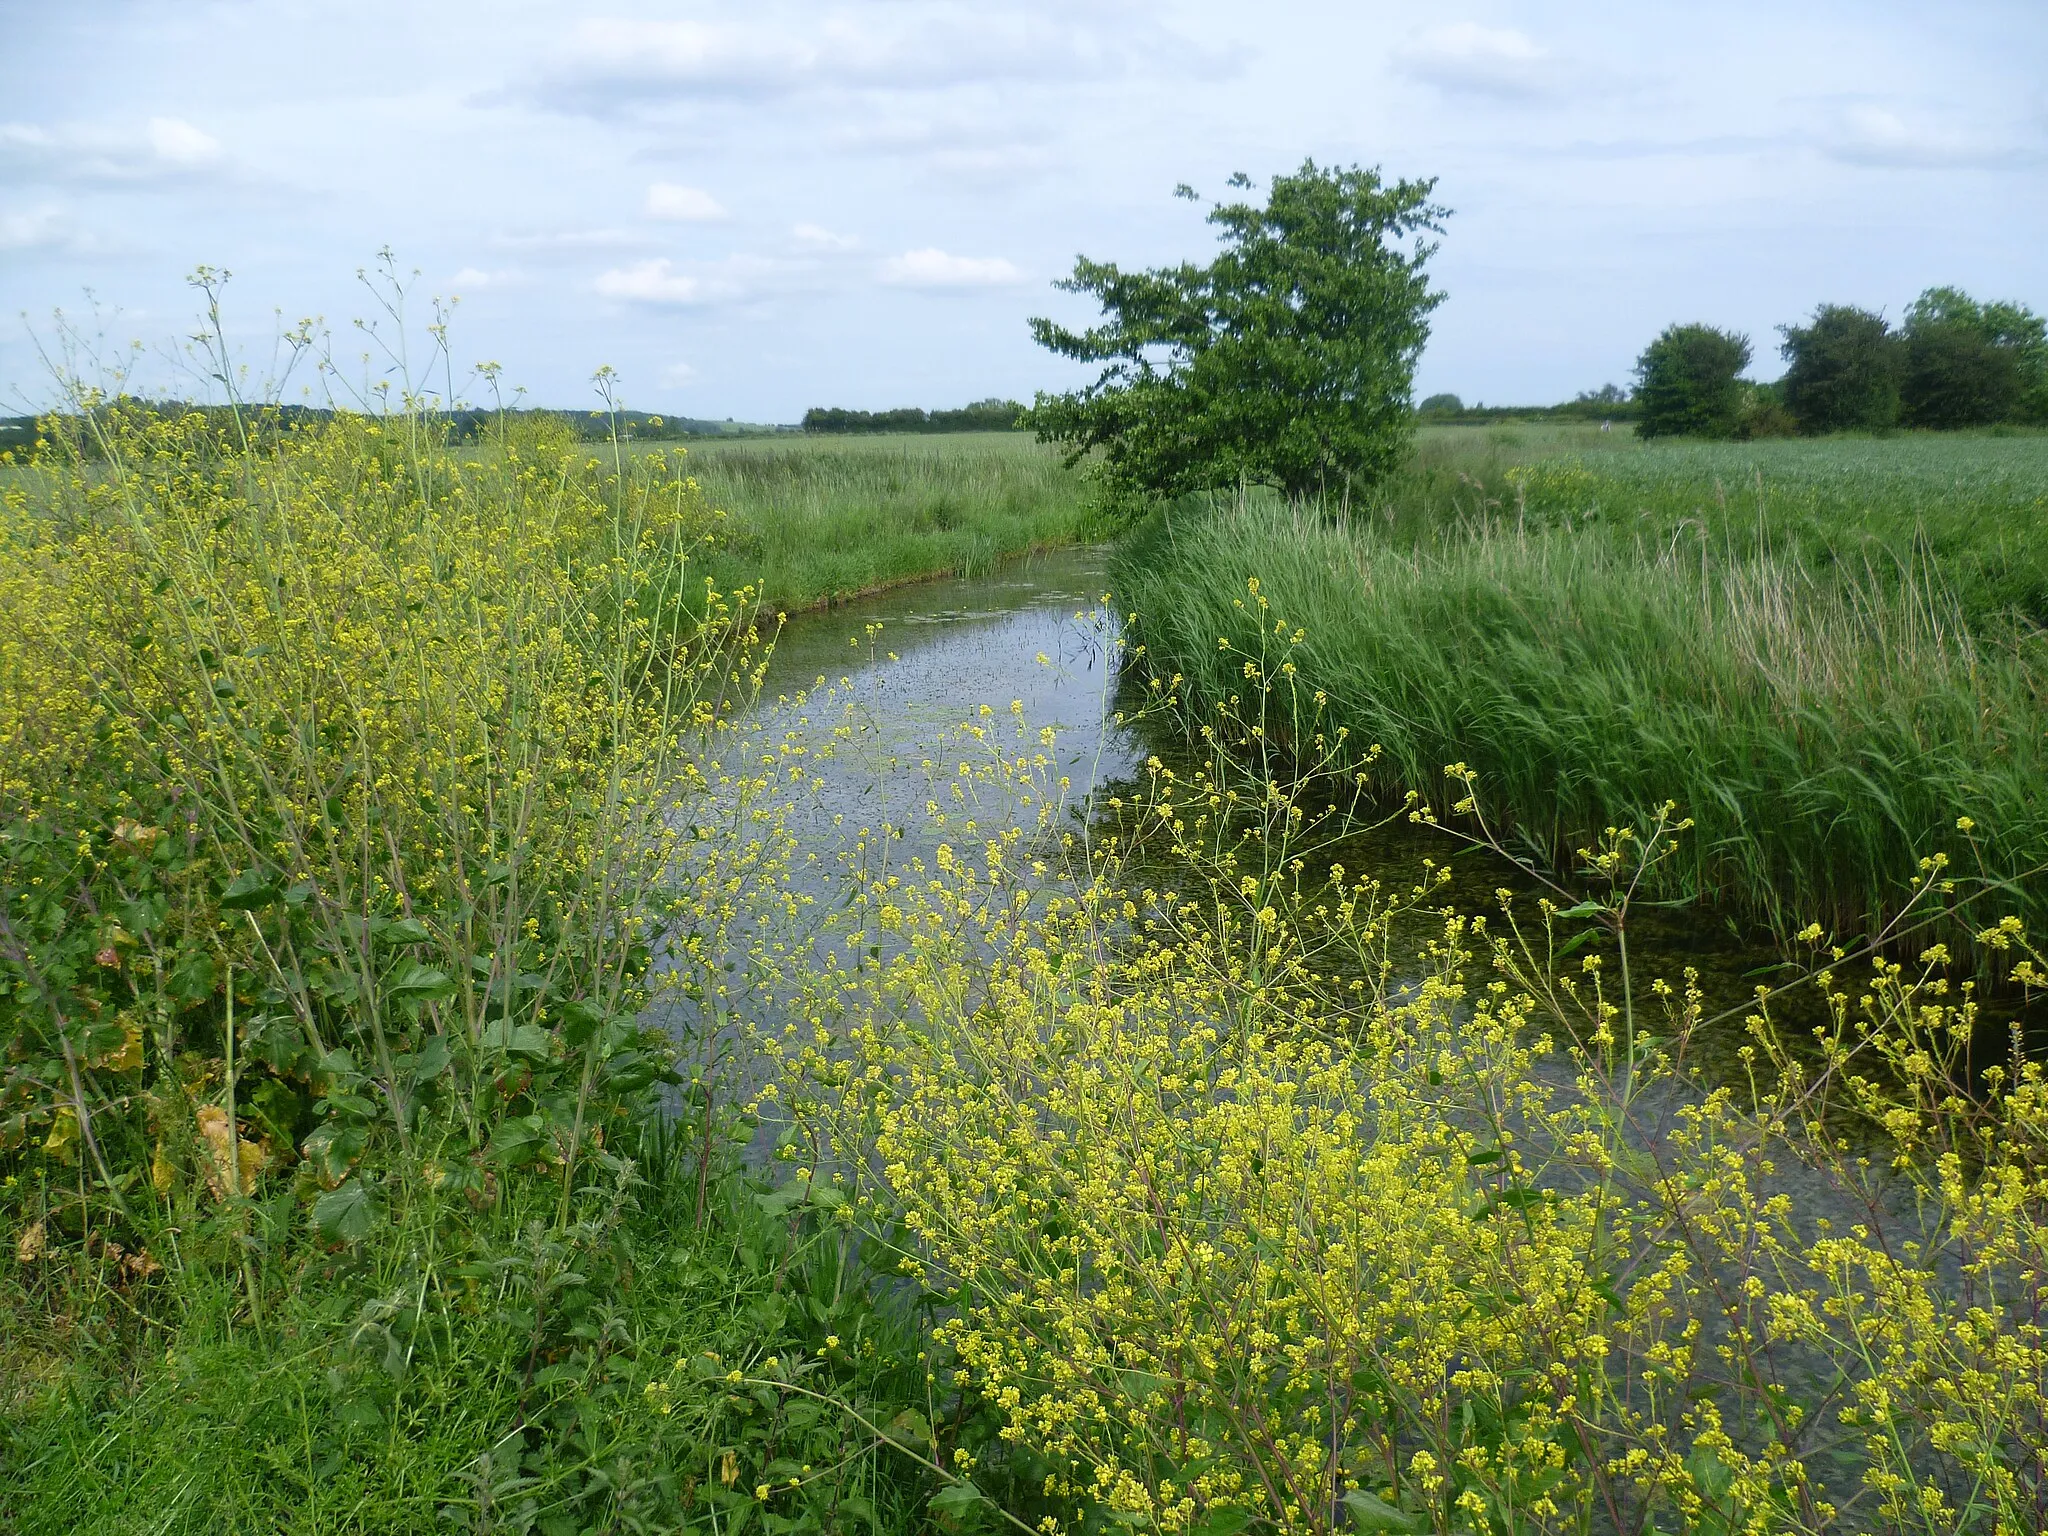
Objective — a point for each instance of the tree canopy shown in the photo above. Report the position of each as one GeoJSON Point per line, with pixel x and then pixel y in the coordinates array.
{"type": "Point", "coordinates": [1688, 383]}
{"type": "Point", "coordinates": [1844, 370]}
{"type": "Point", "coordinates": [1286, 361]}
{"type": "Point", "coordinates": [1970, 364]}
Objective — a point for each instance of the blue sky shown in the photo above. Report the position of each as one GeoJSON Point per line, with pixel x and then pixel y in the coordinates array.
{"type": "Point", "coordinates": [747, 209]}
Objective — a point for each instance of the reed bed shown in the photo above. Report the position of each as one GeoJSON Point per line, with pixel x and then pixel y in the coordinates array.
{"type": "Point", "coordinates": [1826, 730]}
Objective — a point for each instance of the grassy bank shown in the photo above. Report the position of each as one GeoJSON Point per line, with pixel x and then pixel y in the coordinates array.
{"type": "Point", "coordinates": [813, 519]}
{"type": "Point", "coordinates": [1825, 678]}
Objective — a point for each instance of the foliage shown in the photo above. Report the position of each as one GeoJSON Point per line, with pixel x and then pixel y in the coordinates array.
{"type": "Point", "coordinates": [1971, 364]}
{"type": "Point", "coordinates": [1821, 727]}
{"type": "Point", "coordinates": [1242, 1226]}
{"type": "Point", "coordinates": [1687, 383]}
{"type": "Point", "coordinates": [474, 1367]}
{"type": "Point", "coordinates": [1440, 405]}
{"type": "Point", "coordinates": [1286, 361]}
{"type": "Point", "coordinates": [1844, 370]}
{"type": "Point", "coordinates": [991, 415]}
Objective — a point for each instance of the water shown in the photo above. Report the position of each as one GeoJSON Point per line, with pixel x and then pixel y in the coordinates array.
{"type": "Point", "coordinates": [1038, 632]}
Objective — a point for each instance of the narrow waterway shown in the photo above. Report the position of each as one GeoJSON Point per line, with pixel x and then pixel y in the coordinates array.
{"type": "Point", "coordinates": [886, 680]}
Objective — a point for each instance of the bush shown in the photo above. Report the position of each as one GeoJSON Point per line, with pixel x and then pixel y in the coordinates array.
{"type": "Point", "coordinates": [1844, 373]}
{"type": "Point", "coordinates": [1688, 385]}
{"type": "Point", "coordinates": [1970, 364]}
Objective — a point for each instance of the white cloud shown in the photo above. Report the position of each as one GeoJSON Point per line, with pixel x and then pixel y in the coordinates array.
{"type": "Point", "coordinates": [1872, 135]}
{"type": "Point", "coordinates": [677, 373]}
{"type": "Point", "coordinates": [40, 229]}
{"type": "Point", "coordinates": [818, 238]}
{"type": "Point", "coordinates": [1482, 61]}
{"type": "Point", "coordinates": [651, 282]}
{"type": "Point", "coordinates": [478, 279]}
{"type": "Point", "coordinates": [614, 64]}
{"type": "Point", "coordinates": [176, 142]}
{"type": "Point", "coordinates": [164, 148]}
{"type": "Point", "coordinates": [666, 200]}
{"type": "Point", "coordinates": [934, 268]}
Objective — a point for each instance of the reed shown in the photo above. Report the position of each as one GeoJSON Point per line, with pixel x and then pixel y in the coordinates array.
{"type": "Point", "coordinates": [1827, 730]}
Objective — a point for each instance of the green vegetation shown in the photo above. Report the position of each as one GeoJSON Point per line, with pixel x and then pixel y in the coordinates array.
{"type": "Point", "coordinates": [366, 803]}
{"type": "Point", "coordinates": [990, 415]}
{"type": "Point", "coordinates": [1844, 371]}
{"type": "Point", "coordinates": [812, 520]}
{"type": "Point", "coordinates": [1286, 361]}
{"type": "Point", "coordinates": [1826, 654]}
{"type": "Point", "coordinates": [1688, 383]}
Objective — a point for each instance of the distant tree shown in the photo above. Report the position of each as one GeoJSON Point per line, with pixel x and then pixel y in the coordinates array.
{"type": "Point", "coordinates": [1687, 383]}
{"type": "Point", "coordinates": [1844, 371]}
{"type": "Point", "coordinates": [1970, 364]}
{"type": "Point", "coordinates": [1440, 405]}
{"type": "Point", "coordinates": [1287, 361]}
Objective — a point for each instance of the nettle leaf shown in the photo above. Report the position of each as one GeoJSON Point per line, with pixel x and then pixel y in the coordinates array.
{"type": "Point", "coordinates": [516, 1039]}
{"type": "Point", "coordinates": [1372, 1513]}
{"type": "Point", "coordinates": [346, 1213]}
{"type": "Point", "coordinates": [418, 983]}
{"type": "Point", "coordinates": [250, 891]}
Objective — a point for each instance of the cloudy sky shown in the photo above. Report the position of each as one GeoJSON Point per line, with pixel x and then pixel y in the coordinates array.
{"type": "Point", "coordinates": [750, 208]}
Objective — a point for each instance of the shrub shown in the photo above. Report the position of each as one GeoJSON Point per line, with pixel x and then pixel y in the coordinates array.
{"type": "Point", "coordinates": [1844, 373]}
{"type": "Point", "coordinates": [1687, 383]}
{"type": "Point", "coordinates": [1970, 364]}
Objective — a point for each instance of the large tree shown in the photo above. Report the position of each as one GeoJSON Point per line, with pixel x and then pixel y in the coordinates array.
{"type": "Point", "coordinates": [1844, 370]}
{"type": "Point", "coordinates": [1286, 361]}
{"type": "Point", "coordinates": [1970, 364]}
{"type": "Point", "coordinates": [1688, 383]}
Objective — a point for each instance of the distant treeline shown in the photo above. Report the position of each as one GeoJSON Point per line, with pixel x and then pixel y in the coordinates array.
{"type": "Point", "coordinates": [1951, 362]}
{"type": "Point", "coordinates": [981, 416]}
{"type": "Point", "coordinates": [1610, 402]}
{"type": "Point", "coordinates": [466, 425]}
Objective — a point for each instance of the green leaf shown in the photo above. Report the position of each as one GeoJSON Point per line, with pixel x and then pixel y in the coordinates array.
{"type": "Point", "coordinates": [1226, 1520]}
{"type": "Point", "coordinates": [956, 1499]}
{"type": "Point", "coordinates": [1372, 1513]}
{"type": "Point", "coordinates": [910, 1428]}
{"type": "Point", "coordinates": [516, 1039]}
{"type": "Point", "coordinates": [250, 891]}
{"type": "Point", "coordinates": [420, 983]}
{"type": "Point", "coordinates": [345, 1214]}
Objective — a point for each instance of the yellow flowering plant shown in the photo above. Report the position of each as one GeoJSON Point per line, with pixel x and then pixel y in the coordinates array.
{"type": "Point", "coordinates": [1243, 1193]}
{"type": "Point", "coordinates": [343, 775]}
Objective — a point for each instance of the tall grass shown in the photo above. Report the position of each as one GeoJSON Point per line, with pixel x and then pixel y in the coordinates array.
{"type": "Point", "coordinates": [1827, 734]}
{"type": "Point", "coordinates": [814, 520]}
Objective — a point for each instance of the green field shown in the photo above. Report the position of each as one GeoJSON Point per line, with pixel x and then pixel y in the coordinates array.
{"type": "Point", "coordinates": [1825, 651]}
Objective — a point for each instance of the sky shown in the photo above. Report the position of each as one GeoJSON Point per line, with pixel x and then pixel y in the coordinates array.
{"type": "Point", "coordinates": [747, 209]}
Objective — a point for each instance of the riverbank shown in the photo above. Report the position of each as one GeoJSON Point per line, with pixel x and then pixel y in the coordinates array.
{"type": "Point", "coordinates": [1836, 673]}
{"type": "Point", "coordinates": [822, 520]}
